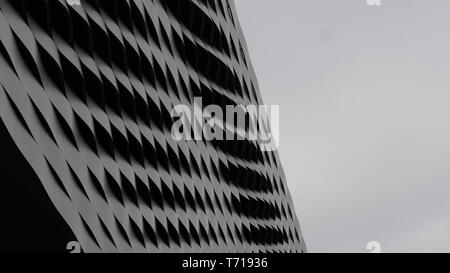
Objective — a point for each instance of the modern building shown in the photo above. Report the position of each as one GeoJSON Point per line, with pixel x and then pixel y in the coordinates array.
{"type": "Point", "coordinates": [88, 159]}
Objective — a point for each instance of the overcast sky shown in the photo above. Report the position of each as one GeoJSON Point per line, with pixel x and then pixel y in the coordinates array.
{"type": "Point", "coordinates": [364, 95]}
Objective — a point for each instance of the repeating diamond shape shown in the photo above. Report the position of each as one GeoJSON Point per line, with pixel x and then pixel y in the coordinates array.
{"type": "Point", "coordinates": [86, 93]}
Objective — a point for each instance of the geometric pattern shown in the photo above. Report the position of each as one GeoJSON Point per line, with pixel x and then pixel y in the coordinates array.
{"type": "Point", "coordinates": [86, 93]}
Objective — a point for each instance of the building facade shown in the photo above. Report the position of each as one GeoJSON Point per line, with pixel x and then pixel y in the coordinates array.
{"type": "Point", "coordinates": [89, 160]}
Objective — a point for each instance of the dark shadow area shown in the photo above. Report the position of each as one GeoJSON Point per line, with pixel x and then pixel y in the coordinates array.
{"type": "Point", "coordinates": [29, 222]}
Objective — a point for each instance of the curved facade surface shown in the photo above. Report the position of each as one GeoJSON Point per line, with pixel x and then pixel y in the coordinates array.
{"type": "Point", "coordinates": [86, 93]}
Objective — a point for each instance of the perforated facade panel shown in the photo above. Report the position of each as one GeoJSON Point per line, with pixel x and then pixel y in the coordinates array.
{"type": "Point", "coordinates": [86, 93]}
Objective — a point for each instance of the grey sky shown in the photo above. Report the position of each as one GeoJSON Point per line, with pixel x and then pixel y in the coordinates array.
{"type": "Point", "coordinates": [364, 95]}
